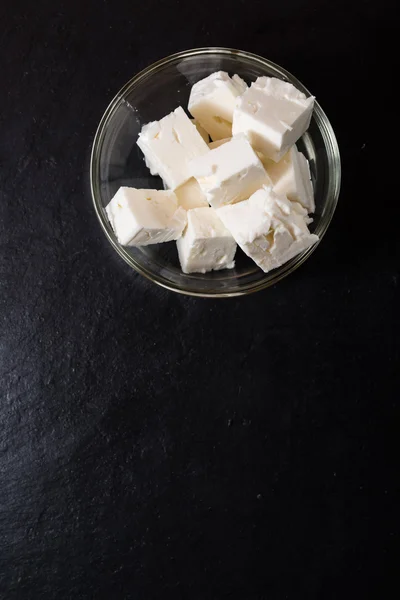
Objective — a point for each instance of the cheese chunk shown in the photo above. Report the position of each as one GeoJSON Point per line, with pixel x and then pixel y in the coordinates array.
{"type": "Point", "coordinates": [201, 131]}
{"type": "Point", "coordinates": [169, 145]}
{"type": "Point", "coordinates": [218, 143]}
{"type": "Point", "coordinates": [298, 208]}
{"type": "Point", "coordinates": [142, 217]}
{"type": "Point", "coordinates": [212, 101]}
{"type": "Point", "coordinates": [291, 177]}
{"type": "Point", "coordinates": [268, 228]}
{"type": "Point", "coordinates": [229, 173]}
{"type": "Point", "coordinates": [273, 114]}
{"type": "Point", "coordinates": [190, 195]}
{"type": "Point", "coordinates": [205, 245]}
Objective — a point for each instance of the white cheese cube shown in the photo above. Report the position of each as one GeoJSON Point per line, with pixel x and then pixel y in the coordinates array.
{"type": "Point", "coordinates": [212, 101]}
{"type": "Point", "coordinates": [291, 177]}
{"type": "Point", "coordinates": [205, 245]}
{"type": "Point", "coordinates": [142, 217]}
{"type": "Point", "coordinates": [201, 131]}
{"type": "Point", "coordinates": [273, 114]}
{"type": "Point", "coordinates": [169, 145]}
{"type": "Point", "coordinates": [268, 228]}
{"type": "Point", "coordinates": [218, 143]}
{"type": "Point", "coordinates": [190, 195]}
{"type": "Point", "coordinates": [229, 173]}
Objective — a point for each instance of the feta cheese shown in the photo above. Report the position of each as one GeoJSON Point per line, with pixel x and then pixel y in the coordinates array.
{"type": "Point", "coordinates": [268, 228]}
{"type": "Point", "coordinates": [218, 143]}
{"type": "Point", "coordinates": [229, 173]}
{"type": "Point", "coordinates": [201, 131]}
{"type": "Point", "coordinates": [206, 244]}
{"type": "Point", "coordinates": [298, 208]}
{"type": "Point", "coordinates": [291, 177]}
{"type": "Point", "coordinates": [267, 162]}
{"type": "Point", "coordinates": [240, 84]}
{"type": "Point", "coordinates": [142, 217]}
{"type": "Point", "coordinates": [190, 195]}
{"type": "Point", "coordinates": [273, 114]}
{"type": "Point", "coordinates": [212, 101]}
{"type": "Point", "coordinates": [169, 145]}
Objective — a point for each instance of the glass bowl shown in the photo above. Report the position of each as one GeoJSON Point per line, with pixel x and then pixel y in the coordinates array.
{"type": "Point", "coordinates": [116, 160]}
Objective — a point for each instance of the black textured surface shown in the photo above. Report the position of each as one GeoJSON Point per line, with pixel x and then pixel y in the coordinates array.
{"type": "Point", "coordinates": [157, 446]}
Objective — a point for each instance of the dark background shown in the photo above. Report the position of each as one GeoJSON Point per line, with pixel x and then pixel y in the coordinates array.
{"type": "Point", "coordinates": [159, 446]}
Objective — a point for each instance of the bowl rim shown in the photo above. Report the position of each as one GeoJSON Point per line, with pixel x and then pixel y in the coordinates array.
{"type": "Point", "coordinates": [273, 276]}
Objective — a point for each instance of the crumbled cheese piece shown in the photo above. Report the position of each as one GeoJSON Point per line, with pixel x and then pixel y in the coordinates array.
{"type": "Point", "coordinates": [212, 101]}
{"type": "Point", "coordinates": [291, 177]}
{"type": "Point", "coordinates": [169, 145]}
{"type": "Point", "coordinates": [229, 173]}
{"type": "Point", "coordinates": [206, 244]}
{"type": "Point", "coordinates": [268, 228]}
{"type": "Point", "coordinates": [273, 114]}
{"type": "Point", "coordinates": [142, 217]}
